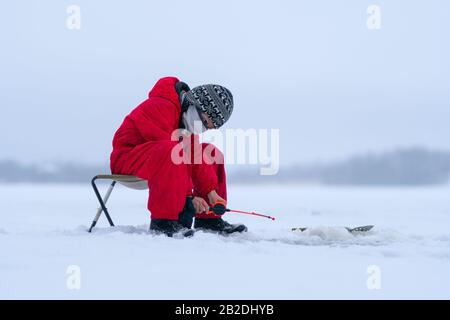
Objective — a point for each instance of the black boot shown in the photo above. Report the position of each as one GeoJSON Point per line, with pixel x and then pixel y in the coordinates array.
{"type": "Point", "coordinates": [181, 227]}
{"type": "Point", "coordinates": [218, 225]}
{"type": "Point", "coordinates": [170, 228]}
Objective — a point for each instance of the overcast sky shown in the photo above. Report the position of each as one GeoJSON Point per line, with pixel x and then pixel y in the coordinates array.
{"type": "Point", "coordinates": [310, 68]}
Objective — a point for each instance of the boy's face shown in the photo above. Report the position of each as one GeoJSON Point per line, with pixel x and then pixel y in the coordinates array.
{"type": "Point", "coordinates": [206, 121]}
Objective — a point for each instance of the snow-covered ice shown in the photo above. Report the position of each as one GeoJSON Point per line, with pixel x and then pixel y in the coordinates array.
{"type": "Point", "coordinates": [43, 232]}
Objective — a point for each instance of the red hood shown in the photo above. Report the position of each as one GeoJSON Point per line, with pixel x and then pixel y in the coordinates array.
{"type": "Point", "coordinates": [165, 88]}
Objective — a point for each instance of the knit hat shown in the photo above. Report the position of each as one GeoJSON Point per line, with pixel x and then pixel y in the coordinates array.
{"type": "Point", "coordinates": [216, 101]}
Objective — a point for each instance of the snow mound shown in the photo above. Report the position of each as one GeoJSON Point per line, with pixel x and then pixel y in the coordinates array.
{"type": "Point", "coordinates": [319, 236]}
{"type": "Point", "coordinates": [313, 236]}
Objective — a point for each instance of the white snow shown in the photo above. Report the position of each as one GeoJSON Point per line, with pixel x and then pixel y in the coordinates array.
{"type": "Point", "coordinates": [43, 232]}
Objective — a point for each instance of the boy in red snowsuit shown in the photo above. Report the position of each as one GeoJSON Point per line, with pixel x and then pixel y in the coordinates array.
{"type": "Point", "coordinates": [145, 145]}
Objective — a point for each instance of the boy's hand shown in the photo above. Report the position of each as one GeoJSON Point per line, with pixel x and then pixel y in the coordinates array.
{"type": "Point", "coordinates": [200, 205]}
{"type": "Point", "coordinates": [219, 204]}
{"type": "Point", "coordinates": [214, 198]}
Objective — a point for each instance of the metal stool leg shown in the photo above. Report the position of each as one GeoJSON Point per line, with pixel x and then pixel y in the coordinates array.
{"type": "Point", "coordinates": [102, 203]}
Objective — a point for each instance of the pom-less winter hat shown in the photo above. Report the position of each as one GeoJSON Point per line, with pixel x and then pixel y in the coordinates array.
{"type": "Point", "coordinates": [216, 101]}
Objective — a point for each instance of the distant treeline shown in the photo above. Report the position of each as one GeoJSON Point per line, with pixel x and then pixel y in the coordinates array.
{"type": "Point", "coordinates": [12, 171]}
{"type": "Point", "coordinates": [414, 166]}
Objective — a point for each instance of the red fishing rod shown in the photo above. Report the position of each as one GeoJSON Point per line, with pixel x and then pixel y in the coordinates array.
{"type": "Point", "coordinates": [219, 209]}
{"type": "Point", "coordinates": [252, 213]}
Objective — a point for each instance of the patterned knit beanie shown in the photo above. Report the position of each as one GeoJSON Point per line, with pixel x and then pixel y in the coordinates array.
{"type": "Point", "coordinates": [216, 101]}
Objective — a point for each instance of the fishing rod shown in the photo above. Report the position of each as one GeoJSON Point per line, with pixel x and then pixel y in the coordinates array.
{"type": "Point", "coordinates": [220, 209]}
{"type": "Point", "coordinates": [252, 213]}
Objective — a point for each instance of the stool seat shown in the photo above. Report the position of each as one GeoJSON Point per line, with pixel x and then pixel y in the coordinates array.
{"type": "Point", "coordinates": [128, 181]}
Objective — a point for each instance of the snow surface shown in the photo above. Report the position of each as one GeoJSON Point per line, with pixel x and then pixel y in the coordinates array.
{"type": "Point", "coordinates": [43, 231]}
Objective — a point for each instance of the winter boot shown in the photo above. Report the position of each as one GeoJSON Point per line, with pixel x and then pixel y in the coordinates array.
{"type": "Point", "coordinates": [170, 228]}
{"type": "Point", "coordinates": [181, 227]}
{"type": "Point", "coordinates": [218, 225]}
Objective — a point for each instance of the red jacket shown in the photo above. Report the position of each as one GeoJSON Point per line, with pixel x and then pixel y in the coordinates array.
{"type": "Point", "coordinates": [153, 120]}
{"type": "Point", "coordinates": [142, 147]}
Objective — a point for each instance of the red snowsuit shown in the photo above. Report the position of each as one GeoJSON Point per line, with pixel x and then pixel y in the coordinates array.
{"type": "Point", "coordinates": [142, 147]}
